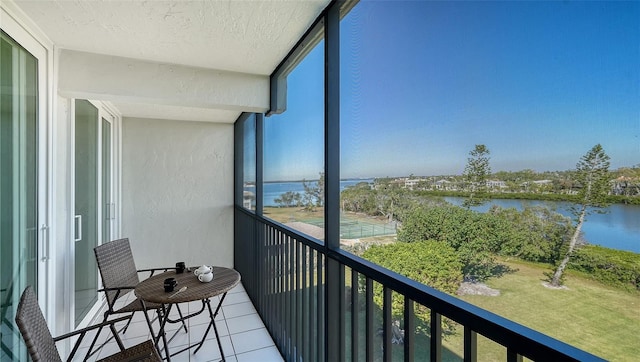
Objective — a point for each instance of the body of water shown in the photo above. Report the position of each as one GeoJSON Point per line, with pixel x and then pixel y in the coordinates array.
{"type": "Point", "coordinates": [619, 228]}
{"type": "Point", "coordinates": [273, 190]}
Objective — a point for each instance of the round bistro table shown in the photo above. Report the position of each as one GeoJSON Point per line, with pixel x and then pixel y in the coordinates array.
{"type": "Point", "coordinates": [152, 290]}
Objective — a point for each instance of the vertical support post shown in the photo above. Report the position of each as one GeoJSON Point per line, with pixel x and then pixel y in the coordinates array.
{"type": "Point", "coordinates": [343, 313]}
{"type": "Point", "coordinates": [321, 309]}
{"type": "Point", "coordinates": [282, 308]}
{"type": "Point", "coordinates": [369, 319]}
{"type": "Point", "coordinates": [436, 336]}
{"type": "Point", "coordinates": [298, 302]}
{"type": "Point", "coordinates": [355, 316]}
{"type": "Point", "coordinates": [332, 128]}
{"type": "Point", "coordinates": [238, 150]}
{"type": "Point", "coordinates": [287, 294]}
{"type": "Point", "coordinates": [259, 237]}
{"type": "Point", "coordinates": [334, 332]}
{"type": "Point", "coordinates": [409, 330]}
{"type": "Point", "coordinates": [259, 162]}
{"type": "Point", "coordinates": [513, 356]}
{"type": "Point", "coordinates": [386, 325]}
{"type": "Point", "coordinates": [313, 301]}
{"type": "Point", "coordinates": [306, 300]}
{"type": "Point", "coordinates": [470, 345]}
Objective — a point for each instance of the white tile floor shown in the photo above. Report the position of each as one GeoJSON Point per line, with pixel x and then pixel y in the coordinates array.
{"type": "Point", "coordinates": [242, 333]}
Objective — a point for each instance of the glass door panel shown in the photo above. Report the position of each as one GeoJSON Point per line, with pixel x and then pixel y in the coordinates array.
{"type": "Point", "coordinates": [108, 210]}
{"type": "Point", "coordinates": [18, 188]}
{"type": "Point", "coordinates": [86, 207]}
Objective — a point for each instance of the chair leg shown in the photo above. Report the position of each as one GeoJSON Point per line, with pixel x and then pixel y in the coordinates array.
{"type": "Point", "coordinates": [95, 339]}
{"type": "Point", "coordinates": [150, 321]}
{"type": "Point", "coordinates": [90, 352]}
{"type": "Point", "coordinates": [124, 330]}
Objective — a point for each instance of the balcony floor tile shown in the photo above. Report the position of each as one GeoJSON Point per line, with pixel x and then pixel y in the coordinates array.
{"type": "Point", "coordinates": [242, 333]}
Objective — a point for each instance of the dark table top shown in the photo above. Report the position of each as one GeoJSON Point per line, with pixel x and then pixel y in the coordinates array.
{"type": "Point", "coordinates": [152, 289]}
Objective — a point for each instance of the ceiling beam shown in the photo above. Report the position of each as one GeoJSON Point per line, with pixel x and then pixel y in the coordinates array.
{"type": "Point", "coordinates": [133, 81]}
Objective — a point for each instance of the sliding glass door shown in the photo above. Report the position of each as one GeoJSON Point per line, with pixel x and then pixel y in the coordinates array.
{"type": "Point", "coordinates": [94, 208]}
{"type": "Point", "coordinates": [86, 206]}
{"type": "Point", "coordinates": [18, 187]}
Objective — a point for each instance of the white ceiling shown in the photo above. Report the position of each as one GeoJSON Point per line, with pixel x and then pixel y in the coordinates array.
{"type": "Point", "coordinates": [230, 36]}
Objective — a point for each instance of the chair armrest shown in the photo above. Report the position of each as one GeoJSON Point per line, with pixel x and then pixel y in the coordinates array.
{"type": "Point", "coordinates": [118, 293]}
{"type": "Point", "coordinates": [118, 289]}
{"type": "Point", "coordinates": [153, 270]}
{"type": "Point", "coordinates": [90, 328]}
{"type": "Point", "coordinates": [82, 332]}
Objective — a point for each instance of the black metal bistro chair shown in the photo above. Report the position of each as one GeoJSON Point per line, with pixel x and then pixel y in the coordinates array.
{"type": "Point", "coordinates": [119, 277]}
{"type": "Point", "coordinates": [42, 345]}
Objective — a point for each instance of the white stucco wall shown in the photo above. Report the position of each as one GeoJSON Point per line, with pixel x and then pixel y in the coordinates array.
{"type": "Point", "coordinates": [177, 191]}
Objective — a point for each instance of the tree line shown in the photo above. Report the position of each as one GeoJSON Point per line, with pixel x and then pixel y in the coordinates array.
{"type": "Point", "coordinates": [534, 234]}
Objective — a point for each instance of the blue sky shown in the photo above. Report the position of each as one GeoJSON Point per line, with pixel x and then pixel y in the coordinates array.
{"type": "Point", "coordinates": [539, 83]}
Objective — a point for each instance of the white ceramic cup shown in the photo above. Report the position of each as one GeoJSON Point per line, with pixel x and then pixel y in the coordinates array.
{"type": "Point", "coordinates": [206, 277]}
{"type": "Point", "coordinates": [203, 270]}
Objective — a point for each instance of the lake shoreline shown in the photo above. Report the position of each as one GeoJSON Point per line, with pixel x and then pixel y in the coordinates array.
{"type": "Point", "coordinates": [613, 199]}
{"type": "Point", "coordinates": [619, 229]}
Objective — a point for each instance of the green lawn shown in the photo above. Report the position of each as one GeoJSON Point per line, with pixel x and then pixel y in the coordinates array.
{"type": "Point", "coordinates": [601, 320]}
{"type": "Point", "coordinates": [593, 317]}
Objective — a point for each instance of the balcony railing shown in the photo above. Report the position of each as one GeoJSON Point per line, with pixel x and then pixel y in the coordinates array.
{"type": "Point", "coordinates": [287, 277]}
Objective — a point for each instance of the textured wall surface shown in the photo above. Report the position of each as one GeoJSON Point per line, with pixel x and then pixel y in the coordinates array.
{"type": "Point", "coordinates": [177, 191]}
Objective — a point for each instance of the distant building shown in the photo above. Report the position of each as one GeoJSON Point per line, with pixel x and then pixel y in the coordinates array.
{"type": "Point", "coordinates": [496, 184]}
{"type": "Point", "coordinates": [412, 183]}
{"type": "Point", "coordinates": [247, 199]}
{"type": "Point", "coordinates": [625, 185]}
{"type": "Point", "coordinates": [443, 185]}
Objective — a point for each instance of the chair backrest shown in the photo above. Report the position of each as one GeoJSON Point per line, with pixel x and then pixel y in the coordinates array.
{"type": "Point", "coordinates": [34, 329]}
{"type": "Point", "coordinates": [116, 265]}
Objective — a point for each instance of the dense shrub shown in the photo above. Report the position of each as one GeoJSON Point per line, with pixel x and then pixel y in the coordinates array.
{"type": "Point", "coordinates": [464, 230]}
{"type": "Point", "coordinates": [432, 263]}
{"type": "Point", "coordinates": [535, 234]}
{"type": "Point", "coordinates": [612, 267]}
